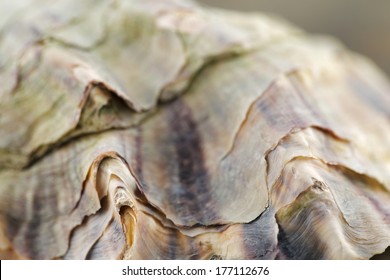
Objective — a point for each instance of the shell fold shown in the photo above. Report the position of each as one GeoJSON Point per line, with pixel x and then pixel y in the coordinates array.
{"type": "Point", "coordinates": [168, 130]}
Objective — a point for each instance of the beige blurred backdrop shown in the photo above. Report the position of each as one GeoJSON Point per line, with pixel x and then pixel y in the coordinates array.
{"type": "Point", "coordinates": [362, 25]}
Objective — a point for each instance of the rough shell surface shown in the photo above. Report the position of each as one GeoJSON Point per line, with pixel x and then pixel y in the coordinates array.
{"type": "Point", "coordinates": [167, 130]}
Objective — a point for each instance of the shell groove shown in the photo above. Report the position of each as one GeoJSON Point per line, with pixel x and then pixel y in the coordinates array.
{"type": "Point", "coordinates": [167, 130]}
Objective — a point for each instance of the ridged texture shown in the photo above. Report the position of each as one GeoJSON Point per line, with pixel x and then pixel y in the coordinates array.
{"type": "Point", "coordinates": [165, 130]}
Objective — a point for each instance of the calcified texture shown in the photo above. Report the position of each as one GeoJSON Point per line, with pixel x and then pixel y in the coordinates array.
{"type": "Point", "coordinates": [165, 130]}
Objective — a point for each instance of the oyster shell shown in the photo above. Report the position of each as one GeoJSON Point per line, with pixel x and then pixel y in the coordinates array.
{"type": "Point", "coordinates": [167, 130]}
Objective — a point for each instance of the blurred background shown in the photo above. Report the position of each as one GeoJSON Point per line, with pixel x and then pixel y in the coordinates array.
{"type": "Point", "coordinates": [362, 25]}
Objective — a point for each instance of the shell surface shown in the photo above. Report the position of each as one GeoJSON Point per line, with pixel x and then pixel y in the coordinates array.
{"type": "Point", "coordinates": [167, 130]}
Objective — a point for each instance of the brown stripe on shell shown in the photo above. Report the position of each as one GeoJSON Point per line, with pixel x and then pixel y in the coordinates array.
{"type": "Point", "coordinates": [283, 108]}
{"type": "Point", "coordinates": [172, 246]}
{"type": "Point", "coordinates": [301, 223]}
{"type": "Point", "coordinates": [194, 192]}
{"type": "Point", "coordinates": [138, 156]}
{"type": "Point", "coordinates": [284, 246]}
{"type": "Point", "coordinates": [111, 245]}
{"type": "Point", "coordinates": [259, 237]}
{"type": "Point", "coordinates": [34, 228]}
